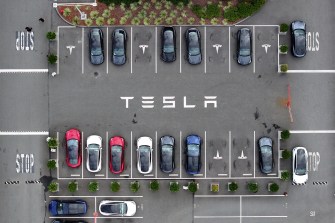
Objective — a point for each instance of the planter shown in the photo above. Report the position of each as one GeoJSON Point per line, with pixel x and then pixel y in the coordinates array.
{"type": "Point", "coordinates": [53, 187]}
{"type": "Point", "coordinates": [154, 185]}
{"type": "Point", "coordinates": [174, 186]}
{"type": "Point", "coordinates": [273, 187]}
{"type": "Point", "coordinates": [283, 28]}
{"type": "Point", "coordinates": [283, 68]}
{"type": "Point", "coordinates": [215, 187]}
{"type": "Point", "coordinates": [193, 187]}
{"type": "Point", "coordinates": [73, 186]}
{"type": "Point", "coordinates": [93, 186]}
{"type": "Point", "coordinates": [134, 186]}
{"type": "Point", "coordinates": [283, 49]}
{"type": "Point", "coordinates": [52, 164]}
{"type": "Point", "coordinates": [232, 186]}
{"type": "Point", "coordinates": [253, 187]}
{"type": "Point", "coordinates": [115, 186]}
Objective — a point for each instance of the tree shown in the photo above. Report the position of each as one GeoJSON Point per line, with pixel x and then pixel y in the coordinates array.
{"type": "Point", "coordinates": [73, 186]}
{"type": "Point", "coordinates": [253, 187]}
{"type": "Point", "coordinates": [274, 187]}
{"type": "Point", "coordinates": [285, 175]}
{"type": "Point", "coordinates": [53, 187]}
{"type": "Point", "coordinates": [52, 142]}
{"type": "Point", "coordinates": [51, 35]}
{"type": "Point", "coordinates": [233, 186]}
{"type": "Point", "coordinates": [193, 187]}
{"type": "Point", "coordinates": [285, 134]}
{"type": "Point", "coordinates": [115, 186]}
{"type": "Point", "coordinates": [52, 164]}
{"type": "Point", "coordinates": [93, 186]}
{"type": "Point", "coordinates": [134, 186]}
{"type": "Point", "coordinates": [154, 185]}
{"type": "Point", "coordinates": [52, 58]}
{"type": "Point", "coordinates": [174, 186]}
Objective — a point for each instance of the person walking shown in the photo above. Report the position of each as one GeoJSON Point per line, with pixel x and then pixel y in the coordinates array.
{"type": "Point", "coordinates": [41, 19]}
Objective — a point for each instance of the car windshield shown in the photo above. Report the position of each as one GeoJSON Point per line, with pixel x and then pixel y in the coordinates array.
{"type": "Point", "coordinates": [193, 150]}
{"type": "Point", "coordinates": [96, 44]}
{"type": "Point", "coordinates": [116, 157]}
{"type": "Point", "coordinates": [168, 42]}
{"type": "Point", "coordinates": [193, 44]}
{"type": "Point", "coordinates": [300, 33]}
{"type": "Point", "coordinates": [144, 158]}
{"type": "Point", "coordinates": [266, 157]}
{"type": "Point", "coordinates": [116, 208]}
{"type": "Point", "coordinates": [118, 44]}
{"type": "Point", "coordinates": [301, 162]}
{"type": "Point", "coordinates": [93, 156]}
{"type": "Point", "coordinates": [245, 44]}
{"type": "Point", "coordinates": [72, 146]}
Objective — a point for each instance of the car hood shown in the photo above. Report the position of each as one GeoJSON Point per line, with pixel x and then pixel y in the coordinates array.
{"type": "Point", "coordinates": [144, 141]}
{"type": "Point", "coordinates": [168, 57]}
{"type": "Point", "coordinates": [244, 60]}
{"type": "Point", "coordinates": [97, 59]}
{"type": "Point", "coordinates": [265, 141]}
{"type": "Point", "coordinates": [300, 179]}
{"type": "Point", "coordinates": [119, 60]}
{"type": "Point", "coordinates": [194, 59]}
{"type": "Point", "coordinates": [167, 140]}
{"type": "Point", "coordinates": [116, 141]}
{"type": "Point", "coordinates": [298, 25]}
{"type": "Point", "coordinates": [73, 134]}
{"type": "Point", "coordinates": [131, 205]}
{"type": "Point", "coordinates": [193, 139]}
{"type": "Point", "coordinates": [53, 207]}
{"type": "Point", "coordinates": [94, 139]}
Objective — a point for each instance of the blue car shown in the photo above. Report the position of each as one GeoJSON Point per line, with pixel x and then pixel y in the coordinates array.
{"type": "Point", "coordinates": [67, 207]}
{"type": "Point", "coordinates": [193, 154]}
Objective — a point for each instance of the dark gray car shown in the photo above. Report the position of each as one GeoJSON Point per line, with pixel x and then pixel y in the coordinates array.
{"type": "Point", "coordinates": [298, 35]}
{"type": "Point", "coordinates": [119, 43]}
{"type": "Point", "coordinates": [168, 38]}
{"type": "Point", "coordinates": [167, 148]}
{"type": "Point", "coordinates": [244, 46]}
{"type": "Point", "coordinates": [193, 46]}
{"type": "Point", "coordinates": [266, 161]}
{"type": "Point", "coordinates": [96, 46]}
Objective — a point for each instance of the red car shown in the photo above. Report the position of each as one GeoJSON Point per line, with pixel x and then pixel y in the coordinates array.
{"type": "Point", "coordinates": [116, 155]}
{"type": "Point", "coordinates": [73, 153]}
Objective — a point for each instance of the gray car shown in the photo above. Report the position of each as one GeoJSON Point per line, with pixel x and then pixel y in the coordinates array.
{"type": "Point", "coordinates": [96, 46]}
{"type": "Point", "coordinates": [193, 46]}
{"type": "Point", "coordinates": [119, 43]}
{"type": "Point", "coordinates": [167, 148]}
{"type": "Point", "coordinates": [298, 35]}
{"type": "Point", "coordinates": [244, 46]}
{"type": "Point", "coordinates": [266, 161]}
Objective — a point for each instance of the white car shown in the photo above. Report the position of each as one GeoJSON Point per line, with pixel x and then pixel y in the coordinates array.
{"type": "Point", "coordinates": [300, 164]}
{"type": "Point", "coordinates": [93, 157]}
{"type": "Point", "coordinates": [117, 208]}
{"type": "Point", "coordinates": [144, 155]}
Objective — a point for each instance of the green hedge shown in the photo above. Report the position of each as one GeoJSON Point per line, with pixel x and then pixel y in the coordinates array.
{"type": "Point", "coordinates": [118, 2]}
{"type": "Point", "coordinates": [208, 12]}
{"type": "Point", "coordinates": [243, 10]}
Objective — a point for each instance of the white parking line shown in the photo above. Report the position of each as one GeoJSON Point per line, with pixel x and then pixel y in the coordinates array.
{"type": "Point", "coordinates": [253, 46]}
{"type": "Point", "coordinates": [248, 174]}
{"type": "Point", "coordinates": [236, 216]}
{"type": "Point", "coordinates": [254, 154]}
{"type": "Point", "coordinates": [205, 153]}
{"type": "Point", "coordinates": [131, 50]}
{"type": "Point", "coordinates": [124, 175]}
{"type": "Point", "coordinates": [229, 151]}
{"type": "Point", "coordinates": [313, 131]}
{"type": "Point", "coordinates": [107, 142]}
{"type": "Point", "coordinates": [173, 175]}
{"type": "Point", "coordinates": [57, 155]}
{"type": "Point", "coordinates": [156, 50]}
{"type": "Point", "coordinates": [278, 70]}
{"type": "Point", "coordinates": [222, 174]}
{"type": "Point", "coordinates": [170, 178]}
{"type": "Point", "coordinates": [205, 51]}
{"type": "Point", "coordinates": [148, 175]}
{"type": "Point", "coordinates": [75, 175]}
{"type": "Point", "coordinates": [131, 154]}
{"type": "Point", "coordinates": [278, 142]}
{"type": "Point", "coordinates": [95, 204]}
{"type": "Point", "coordinates": [107, 52]}
{"type": "Point", "coordinates": [180, 157]}
{"type": "Point", "coordinates": [180, 49]}
{"type": "Point", "coordinates": [99, 175]}
{"type": "Point", "coordinates": [82, 155]}
{"type": "Point", "coordinates": [229, 49]}
{"type": "Point", "coordinates": [82, 50]}
{"type": "Point", "coordinates": [57, 39]}
{"type": "Point", "coordinates": [232, 195]}
{"type": "Point", "coordinates": [88, 196]}
{"type": "Point", "coordinates": [310, 71]}
{"type": "Point", "coordinates": [156, 151]}
{"type": "Point", "coordinates": [271, 174]}
{"type": "Point", "coordinates": [4, 71]}
{"type": "Point", "coordinates": [240, 209]}
{"type": "Point", "coordinates": [23, 133]}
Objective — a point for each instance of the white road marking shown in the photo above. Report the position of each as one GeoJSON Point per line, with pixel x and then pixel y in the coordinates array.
{"type": "Point", "coordinates": [278, 50]}
{"type": "Point", "coordinates": [240, 209]}
{"type": "Point", "coordinates": [205, 51]}
{"type": "Point", "coordinates": [156, 151]}
{"type": "Point", "coordinates": [88, 196]}
{"type": "Point", "coordinates": [260, 25]}
{"type": "Point", "coordinates": [278, 152]}
{"type": "Point", "coordinates": [173, 175]}
{"type": "Point", "coordinates": [95, 204]}
{"type": "Point", "coordinates": [169, 178]}
{"type": "Point", "coordinates": [99, 175]}
{"type": "Point", "coordinates": [131, 50]}
{"type": "Point", "coordinates": [205, 152]}
{"type": "Point", "coordinates": [124, 175]}
{"type": "Point", "coordinates": [156, 50]}
{"type": "Point", "coordinates": [107, 52]}
{"type": "Point", "coordinates": [107, 143]}
{"type": "Point", "coordinates": [23, 133]}
{"type": "Point", "coordinates": [82, 155]}
{"type": "Point", "coordinates": [311, 71]}
{"type": "Point", "coordinates": [253, 46]}
{"type": "Point", "coordinates": [229, 49]}
{"type": "Point", "coordinates": [254, 154]}
{"type": "Point", "coordinates": [312, 131]}
{"type": "Point", "coordinates": [57, 156]}
{"type": "Point", "coordinates": [24, 70]}
{"type": "Point", "coordinates": [82, 50]}
{"type": "Point", "coordinates": [222, 174]}
{"type": "Point", "coordinates": [131, 154]}
{"type": "Point", "coordinates": [75, 175]}
{"type": "Point", "coordinates": [232, 216]}
{"type": "Point", "coordinates": [198, 175]}
{"type": "Point", "coordinates": [57, 39]}
{"type": "Point", "coordinates": [247, 174]}
{"type": "Point", "coordinates": [180, 148]}
{"type": "Point", "coordinates": [271, 174]}
{"type": "Point", "coordinates": [180, 49]}
{"type": "Point", "coordinates": [149, 175]}
{"type": "Point", "coordinates": [95, 217]}
{"type": "Point", "coordinates": [229, 151]}
{"type": "Point", "coordinates": [232, 195]}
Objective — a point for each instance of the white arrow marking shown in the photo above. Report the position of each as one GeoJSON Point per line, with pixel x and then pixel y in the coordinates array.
{"type": "Point", "coordinates": [217, 46]}
{"type": "Point", "coordinates": [70, 48]}
{"type": "Point", "coordinates": [143, 47]}
{"type": "Point", "coordinates": [242, 156]}
{"type": "Point", "coordinates": [217, 157]}
{"type": "Point", "coordinates": [266, 46]}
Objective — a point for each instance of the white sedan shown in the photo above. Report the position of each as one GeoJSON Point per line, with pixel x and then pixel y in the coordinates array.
{"type": "Point", "coordinates": [93, 157]}
{"type": "Point", "coordinates": [300, 164]}
{"type": "Point", "coordinates": [117, 208]}
{"type": "Point", "coordinates": [144, 155]}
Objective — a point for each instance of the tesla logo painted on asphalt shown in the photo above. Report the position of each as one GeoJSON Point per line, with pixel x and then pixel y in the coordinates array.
{"type": "Point", "coordinates": [266, 46]}
{"type": "Point", "coordinates": [24, 163]}
{"type": "Point", "coordinates": [242, 157]}
{"type": "Point", "coordinates": [24, 40]}
{"type": "Point", "coordinates": [143, 47]}
{"type": "Point", "coordinates": [217, 46]}
{"type": "Point", "coordinates": [217, 157]}
{"type": "Point", "coordinates": [70, 48]}
{"type": "Point", "coordinates": [169, 101]}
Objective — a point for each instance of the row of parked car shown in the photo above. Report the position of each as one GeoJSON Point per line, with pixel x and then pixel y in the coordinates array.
{"type": "Point", "coordinates": [193, 44]}
{"type": "Point", "coordinates": [79, 207]}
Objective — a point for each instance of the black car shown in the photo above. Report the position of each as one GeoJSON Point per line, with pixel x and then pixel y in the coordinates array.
{"type": "Point", "coordinates": [119, 45]}
{"type": "Point", "coordinates": [67, 221]}
{"type": "Point", "coordinates": [193, 46]}
{"type": "Point", "coordinates": [96, 44]}
{"type": "Point", "coordinates": [167, 164]}
{"type": "Point", "coordinates": [244, 46]}
{"type": "Point", "coordinates": [298, 35]}
{"type": "Point", "coordinates": [193, 154]}
{"type": "Point", "coordinates": [168, 36]}
{"type": "Point", "coordinates": [266, 161]}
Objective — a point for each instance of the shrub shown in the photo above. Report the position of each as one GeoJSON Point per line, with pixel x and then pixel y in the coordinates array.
{"type": "Point", "coordinates": [283, 28]}
{"type": "Point", "coordinates": [180, 6]}
{"type": "Point", "coordinates": [111, 21]}
{"type": "Point", "coordinates": [51, 35]}
{"type": "Point", "coordinates": [123, 20]}
{"type": "Point", "coordinates": [180, 20]}
{"type": "Point", "coordinates": [134, 186]}
{"type": "Point", "coordinates": [142, 14]}
{"type": "Point", "coordinates": [233, 186]}
{"type": "Point", "coordinates": [193, 187]}
{"type": "Point", "coordinates": [152, 15]}
{"type": "Point", "coordinates": [158, 5]}
{"type": "Point", "coordinates": [169, 20]}
{"type": "Point", "coordinates": [135, 21]}
{"type": "Point", "coordinates": [163, 14]}
{"type": "Point", "coordinates": [147, 21]}
{"type": "Point", "coordinates": [93, 186]}
{"type": "Point", "coordinates": [128, 14]}
{"type": "Point", "coordinates": [167, 5]}
{"type": "Point", "coordinates": [106, 13]}
{"type": "Point", "coordinates": [53, 187]}
{"type": "Point", "coordinates": [100, 21]}
{"type": "Point", "coordinates": [52, 58]}
{"type": "Point", "coordinates": [283, 48]}
{"type": "Point", "coordinates": [285, 175]}
{"type": "Point", "coordinates": [72, 187]}
{"type": "Point", "coordinates": [118, 2]}
{"type": "Point", "coordinates": [146, 5]}
{"type": "Point", "coordinates": [111, 6]}
{"type": "Point", "coordinates": [52, 164]}
{"type": "Point", "coordinates": [158, 21]}
{"type": "Point", "coordinates": [214, 21]}
{"type": "Point", "coordinates": [134, 6]}
{"type": "Point", "coordinates": [253, 187]}
{"type": "Point", "coordinates": [75, 20]}
{"type": "Point", "coordinates": [154, 185]}
{"type": "Point", "coordinates": [88, 22]}
{"type": "Point", "coordinates": [66, 12]}
{"type": "Point", "coordinates": [286, 133]}
{"type": "Point", "coordinates": [94, 14]}
{"type": "Point", "coordinates": [284, 68]}
{"type": "Point", "coordinates": [191, 20]}
{"type": "Point", "coordinates": [115, 186]}
{"type": "Point", "coordinates": [274, 187]}
{"type": "Point", "coordinates": [203, 21]}
{"type": "Point", "coordinates": [52, 142]}
{"type": "Point", "coordinates": [286, 154]}
{"type": "Point", "coordinates": [174, 186]}
{"type": "Point", "coordinates": [242, 10]}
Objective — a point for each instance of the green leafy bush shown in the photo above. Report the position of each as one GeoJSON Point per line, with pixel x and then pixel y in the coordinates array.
{"type": "Point", "coordinates": [94, 14]}
{"type": "Point", "coordinates": [283, 27]}
{"type": "Point", "coordinates": [93, 186]}
{"type": "Point", "coordinates": [208, 12]}
{"type": "Point", "coordinates": [118, 2]}
{"type": "Point", "coordinates": [88, 22]}
{"type": "Point", "coordinates": [243, 10]}
{"type": "Point", "coordinates": [52, 58]}
{"type": "Point", "coordinates": [115, 186]}
{"type": "Point", "coordinates": [253, 187]}
{"type": "Point", "coordinates": [66, 12]}
{"type": "Point", "coordinates": [154, 185]}
{"type": "Point", "coordinates": [283, 48]}
{"type": "Point", "coordinates": [274, 187]}
{"type": "Point", "coordinates": [53, 187]}
{"type": "Point", "coordinates": [174, 186]}
{"type": "Point", "coordinates": [51, 164]}
{"type": "Point", "coordinates": [193, 187]}
{"type": "Point", "coordinates": [284, 69]}
{"type": "Point", "coordinates": [51, 35]}
{"type": "Point", "coordinates": [176, 2]}
{"type": "Point", "coordinates": [285, 175]}
{"type": "Point", "coordinates": [134, 186]}
{"type": "Point", "coordinates": [100, 21]}
{"type": "Point", "coordinates": [286, 133]}
{"type": "Point", "coordinates": [233, 186]}
{"type": "Point", "coordinates": [72, 187]}
{"type": "Point", "coordinates": [286, 154]}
